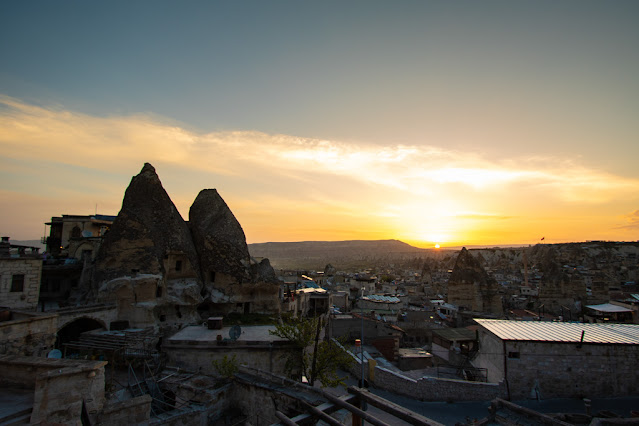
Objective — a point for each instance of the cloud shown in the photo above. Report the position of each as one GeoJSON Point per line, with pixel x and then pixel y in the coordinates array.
{"type": "Point", "coordinates": [632, 221]}
{"type": "Point", "coordinates": [56, 138]}
{"type": "Point", "coordinates": [475, 216]}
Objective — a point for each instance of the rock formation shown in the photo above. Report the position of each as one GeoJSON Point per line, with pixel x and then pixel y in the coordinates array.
{"type": "Point", "coordinates": [162, 271]}
{"type": "Point", "coordinates": [219, 237]}
{"type": "Point", "coordinates": [330, 270]}
{"type": "Point", "coordinates": [147, 263]}
{"type": "Point", "coordinates": [472, 288]}
{"type": "Point", "coordinates": [147, 228]}
{"type": "Point", "coordinates": [231, 277]}
{"type": "Point", "coordinates": [560, 289]}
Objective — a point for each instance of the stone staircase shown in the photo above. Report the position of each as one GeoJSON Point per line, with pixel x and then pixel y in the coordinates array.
{"type": "Point", "coordinates": [22, 417]}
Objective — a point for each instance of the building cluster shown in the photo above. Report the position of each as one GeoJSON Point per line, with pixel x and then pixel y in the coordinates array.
{"type": "Point", "coordinates": [181, 306]}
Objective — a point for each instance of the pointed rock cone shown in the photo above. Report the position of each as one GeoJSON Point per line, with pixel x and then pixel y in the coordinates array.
{"type": "Point", "coordinates": [219, 238]}
{"type": "Point", "coordinates": [146, 231]}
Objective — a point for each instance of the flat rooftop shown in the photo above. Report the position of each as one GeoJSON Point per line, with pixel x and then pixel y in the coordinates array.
{"type": "Point", "coordinates": [255, 333]}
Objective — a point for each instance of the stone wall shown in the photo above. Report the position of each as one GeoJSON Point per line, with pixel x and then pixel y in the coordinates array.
{"type": "Point", "coordinates": [132, 411]}
{"type": "Point", "coordinates": [561, 370]}
{"type": "Point", "coordinates": [490, 356]}
{"type": "Point", "coordinates": [351, 328]}
{"type": "Point", "coordinates": [437, 389]}
{"type": "Point", "coordinates": [27, 333]}
{"type": "Point", "coordinates": [428, 388]}
{"type": "Point", "coordinates": [27, 299]}
{"type": "Point", "coordinates": [196, 356]}
{"type": "Point", "coordinates": [215, 400]}
{"type": "Point", "coordinates": [60, 386]}
{"type": "Point", "coordinates": [259, 402]}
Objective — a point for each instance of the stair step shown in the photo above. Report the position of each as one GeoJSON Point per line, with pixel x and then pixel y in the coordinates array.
{"type": "Point", "coordinates": [17, 418]}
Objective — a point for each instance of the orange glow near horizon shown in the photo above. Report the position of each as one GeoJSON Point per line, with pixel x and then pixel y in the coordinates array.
{"type": "Point", "coordinates": [360, 192]}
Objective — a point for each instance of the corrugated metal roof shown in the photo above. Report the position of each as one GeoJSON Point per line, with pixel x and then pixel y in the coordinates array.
{"type": "Point", "coordinates": [567, 332]}
{"type": "Point", "coordinates": [385, 299]}
{"type": "Point", "coordinates": [608, 307]}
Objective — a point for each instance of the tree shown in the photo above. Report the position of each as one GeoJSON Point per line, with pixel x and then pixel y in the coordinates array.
{"type": "Point", "coordinates": [315, 359]}
{"type": "Point", "coordinates": [226, 367]}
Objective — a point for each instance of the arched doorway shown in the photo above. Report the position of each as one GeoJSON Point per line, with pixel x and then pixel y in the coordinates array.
{"type": "Point", "coordinates": [71, 332]}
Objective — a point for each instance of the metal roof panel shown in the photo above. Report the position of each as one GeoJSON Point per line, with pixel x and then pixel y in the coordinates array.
{"type": "Point", "coordinates": [566, 332]}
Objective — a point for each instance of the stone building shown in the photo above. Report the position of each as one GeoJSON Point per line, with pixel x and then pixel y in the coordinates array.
{"type": "Point", "coordinates": [20, 273]}
{"type": "Point", "coordinates": [72, 244]}
{"type": "Point", "coordinates": [451, 344]}
{"type": "Point", "coordinates": [38, 390]}
{"type": "Point", "coordinates": [77, 235]}
{"type": "Point", "coordinates": [559, 359]}
{"type": "Point", "coordinates": [195, 348]}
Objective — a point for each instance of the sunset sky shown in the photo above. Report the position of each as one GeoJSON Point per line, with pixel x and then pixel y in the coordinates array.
{"type": "Point", "coordinates": [450, 122]}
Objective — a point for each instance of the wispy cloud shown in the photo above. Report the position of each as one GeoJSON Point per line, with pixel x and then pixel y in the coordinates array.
{"type": "Point", "coordinates": [474, 216]}
{"type": "Point", "coordinates": [345, 179]}
{"type": "Point", "coordinates": [122, 143]}
{"type": "Point", "coordinates": [632, 221]}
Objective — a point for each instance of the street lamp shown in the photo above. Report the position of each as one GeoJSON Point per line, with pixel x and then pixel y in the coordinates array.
{"type": "Point", "coordinates": [361, 307]}
{"type": "Point", "coordinates": [361, 383]}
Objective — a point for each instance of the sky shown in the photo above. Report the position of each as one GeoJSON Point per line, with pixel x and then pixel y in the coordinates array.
{"type": "Point", "coordinates": [431, 122]}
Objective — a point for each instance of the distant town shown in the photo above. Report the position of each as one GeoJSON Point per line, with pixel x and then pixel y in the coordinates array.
{"type": "Point", "coordinates": [146, 317]}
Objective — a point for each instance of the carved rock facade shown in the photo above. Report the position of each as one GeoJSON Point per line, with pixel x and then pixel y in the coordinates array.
{"type": "Point", "coordinates": [161, 270]}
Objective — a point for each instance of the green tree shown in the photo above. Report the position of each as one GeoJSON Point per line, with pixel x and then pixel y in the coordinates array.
{"type": "Point", "coordinates": [226, 367]}
{"type": "Point", "coordinates": [314, 359]}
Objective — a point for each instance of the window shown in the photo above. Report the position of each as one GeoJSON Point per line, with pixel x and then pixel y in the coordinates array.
{"type": "Point", "coordinates": [514, 355]}
{"type": "Point", "coordinates": [178, 265]}
{"type": "Point", "coordinates": [17, 283]}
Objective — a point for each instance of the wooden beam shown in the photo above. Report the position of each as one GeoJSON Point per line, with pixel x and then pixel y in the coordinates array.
{"type": "Point", "coordinates": [327, 407]}
{"type": "Point", "coordinates": [285, 420]}
{"type": "Point", "coordinates": [392, 408]}
{"type": "Point", "coordinates": [362, 414]}
{"type": "Point", "coordinates": [322, 415]}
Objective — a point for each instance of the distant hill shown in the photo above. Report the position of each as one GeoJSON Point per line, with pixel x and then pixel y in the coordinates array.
{"type": "Point", "coordinates": [341, 254]}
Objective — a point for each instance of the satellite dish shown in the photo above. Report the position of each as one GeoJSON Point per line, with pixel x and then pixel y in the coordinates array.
{"type": "Point", "coordinates": [235, 332]}
{"type": "Point", "coordinates": [55, 353]}
{"type": "Point", "coordinates": [86, 233]}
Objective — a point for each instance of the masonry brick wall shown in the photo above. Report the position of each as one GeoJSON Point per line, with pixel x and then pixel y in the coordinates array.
{"type": "Point", "coordinates": [197, 356]}
{"type": "Point", "coordinates": [560, 370]}
{"type": "Point", "coordinates": [552, 370]}
{"type": "Point", "coordinates": [132, 411]}
{"type": "Point", "coordinates": [28, 334]}
{"type": "Point", "coordinates": [27, 299]}
{"type": "Point", "coordinates": [60, 386]}
{"type": "Point", "coordinates": [259, 404]}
